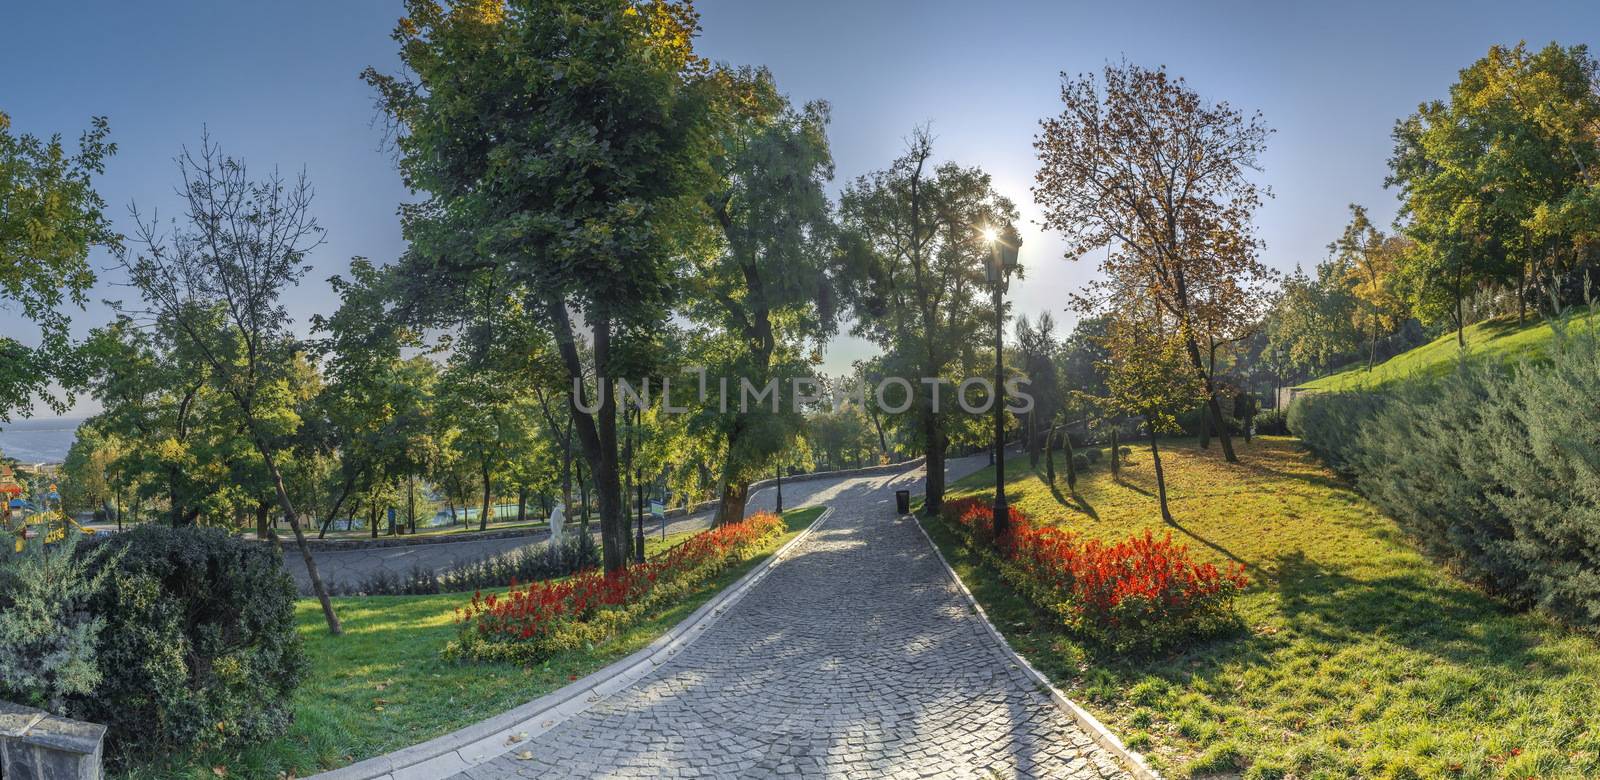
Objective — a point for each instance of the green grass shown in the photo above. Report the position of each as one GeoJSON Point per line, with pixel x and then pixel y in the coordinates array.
{"type": "Point", "coordinates": [1360, 658]}
{"type": "Point", "coordinates": [382, 686]}
{"type": "Point", "coordinates": [1500, 339]}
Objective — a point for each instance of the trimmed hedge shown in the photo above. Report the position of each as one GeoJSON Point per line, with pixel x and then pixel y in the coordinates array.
{"type": "Point", "coordinates": [1495, 471]}
{"type": "Point", "coordinates": [200, 646]}
{"type": "Point", "coordinates": [525, 564]}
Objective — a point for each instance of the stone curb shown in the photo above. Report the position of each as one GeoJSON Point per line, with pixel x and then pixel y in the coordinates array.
{"type": "Point", "coordinates": [488, 739]}
{"type": "Point", "coordinates": [1132, 760]}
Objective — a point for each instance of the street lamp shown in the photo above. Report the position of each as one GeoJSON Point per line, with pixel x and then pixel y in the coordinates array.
{"type": "Point", "coordinates": [780, 487]}
{"type": "Point", "coordinates": [1003, 245]}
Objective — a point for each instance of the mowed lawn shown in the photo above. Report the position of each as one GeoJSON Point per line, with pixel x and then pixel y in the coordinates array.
{"type": "Point", "coordinates": [382, 686]}
{"type": "Point", "coordinates": [1360, 658]}
{"type": "Point", "coordinates": [1501, 339]}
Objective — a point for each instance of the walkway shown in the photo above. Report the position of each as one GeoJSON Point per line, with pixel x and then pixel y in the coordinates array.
{"type": "Point", "coordinates": [856, 656]}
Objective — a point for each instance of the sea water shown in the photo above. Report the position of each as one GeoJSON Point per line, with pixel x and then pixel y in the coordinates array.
{"type": "Point", "coordinates": [38, 440]}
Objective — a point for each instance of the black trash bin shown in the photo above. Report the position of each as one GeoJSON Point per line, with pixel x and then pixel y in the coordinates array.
{"type": "Point", "coordinates": [902, 502]}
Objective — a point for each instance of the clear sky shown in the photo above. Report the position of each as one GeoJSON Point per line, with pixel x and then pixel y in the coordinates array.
{"type": "Point", "coordinates": [277, 85]}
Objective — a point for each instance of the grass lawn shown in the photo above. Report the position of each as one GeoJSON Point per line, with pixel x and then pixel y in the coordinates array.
{"type": "Point", "coordinates": [1500, 339]}
{"type": "Point", "coordinates": [1361, 658]}
{"type": "Point", "coordinates": [382, 686]}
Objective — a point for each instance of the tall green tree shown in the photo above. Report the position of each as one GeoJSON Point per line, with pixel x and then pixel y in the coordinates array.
{"type": "Point", "coordinates": [562, 152]}
{"type": "Point", "coordinates": [915, 242]}
{"type": "Point", "coordinates": [1497, 183]}
{"type": "Point", "coordinates": [765, 290]}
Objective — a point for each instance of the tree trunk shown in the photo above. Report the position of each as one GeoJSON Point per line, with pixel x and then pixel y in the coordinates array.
{"type": "Point", "coordinates": [483, 519]}
{"type": "Point", "coordinates": [263, 512]}
{"type": "Point", "coordinates": [522, 503]}
{"type": "Point", "coordinates": [1161, 477]}
{"type": "Point", "coordinates": [300, 539]}
{"type": "Point", "coordinates": [933, 481]}
{"type": "Point", "coordinates": [1050, 457]}
{"type": "Point", "coordinates": [1072, 467]}
{"type": "Point", "coordinates": [735, 497]}
{"type": "Point", "coordinates": [1212, 404]}
{"type": "Point", "coordinates": [411, 502]}
{"type": "Point", "coordinates": [1116, 454]}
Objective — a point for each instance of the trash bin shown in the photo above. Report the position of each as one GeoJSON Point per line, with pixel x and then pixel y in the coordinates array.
{"type": "Point", "coordinates": [902, 502]}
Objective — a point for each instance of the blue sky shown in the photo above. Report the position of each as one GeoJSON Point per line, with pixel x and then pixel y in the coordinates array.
{"type": "Point", "coordinates": [277, 85]}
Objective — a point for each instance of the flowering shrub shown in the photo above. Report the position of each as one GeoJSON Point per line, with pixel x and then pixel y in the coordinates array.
{"type": "Point", "coordinates": [1142, 594]}
{"type": "Point", "coordinates": [532, 622]}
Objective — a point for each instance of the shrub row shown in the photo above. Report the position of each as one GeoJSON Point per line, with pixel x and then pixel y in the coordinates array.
{"type": "Point", "coordinates": [1494, 470]}
{"type": "Point", "coordinates": [525, 564]}
{"type": "Point", "coordinates": [1140, 595]}
{"type": "Point", "coordinates": [533, 622]}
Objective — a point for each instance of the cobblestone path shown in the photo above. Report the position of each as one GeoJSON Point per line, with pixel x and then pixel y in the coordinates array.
{"type": "Point", "coordinates": [856, 656]}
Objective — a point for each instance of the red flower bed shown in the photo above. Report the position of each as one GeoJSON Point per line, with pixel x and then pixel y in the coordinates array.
{"type": "Point", "coordinates": [1143, 593]}
{"type": "Point", "coordinates": [533, 621]}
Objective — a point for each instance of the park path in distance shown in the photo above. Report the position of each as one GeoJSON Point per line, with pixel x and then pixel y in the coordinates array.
{"type": "Point", "coordinates": [856, 656]}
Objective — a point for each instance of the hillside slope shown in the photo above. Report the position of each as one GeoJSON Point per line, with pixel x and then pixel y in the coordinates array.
{"type": "Point", "coordinates": [1499, 339]}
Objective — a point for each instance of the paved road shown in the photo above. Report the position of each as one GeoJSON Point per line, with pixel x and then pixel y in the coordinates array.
{"type": "Point", "coordinates": [344, 570]}
{"type": "Point", "coordinates": [856, 656]}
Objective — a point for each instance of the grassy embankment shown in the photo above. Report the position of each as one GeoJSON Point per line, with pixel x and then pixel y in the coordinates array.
{"type": "Point", "coordinates": [382, 686]}
{"type": "Point", "coordinates": [1500, 339]}
{"type": "Point", "coordinates": [1360, 658]}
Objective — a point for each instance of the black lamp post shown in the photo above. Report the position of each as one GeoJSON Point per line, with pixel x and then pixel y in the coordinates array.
{"type": "Point", "coordinates": [1003, 246]}
{"type": "Point", "coordinates": [780, 487]}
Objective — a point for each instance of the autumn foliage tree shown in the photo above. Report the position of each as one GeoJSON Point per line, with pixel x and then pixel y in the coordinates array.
{"type": "Point", "coordinates": [1140, 164]}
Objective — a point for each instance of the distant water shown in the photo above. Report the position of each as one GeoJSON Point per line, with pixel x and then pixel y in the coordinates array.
{"type": "Point", "coordinates": [38, 441]}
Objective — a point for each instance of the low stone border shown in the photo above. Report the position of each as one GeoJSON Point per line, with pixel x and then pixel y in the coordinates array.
{"type": "Point", "coordinates": [1132, 760]}
{"type": "Point", "coordinates": [36, 744]}
{"type": "Point", "coordinates": [491, 738]}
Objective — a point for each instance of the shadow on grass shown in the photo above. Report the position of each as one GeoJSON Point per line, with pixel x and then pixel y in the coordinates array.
{"type": "Point", "coordinates": [1439, 618]}
{"type": "Point", "coordinates": [1074, 501]}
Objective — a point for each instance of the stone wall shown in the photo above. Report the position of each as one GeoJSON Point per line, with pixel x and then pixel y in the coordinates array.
{"type": "Point", "coordinates": [35, 745]}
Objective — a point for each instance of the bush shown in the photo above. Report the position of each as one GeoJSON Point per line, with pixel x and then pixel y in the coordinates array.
{"type": "Point", "coordinates": [1080, 461]}
{"type": "Point", "coordinates": [533, 622]}
{"type": "Point", "coordinates": [200, 647]}
{"type": "Point", "coordinates": [1272, 422]}
{"type": "Point", "coordinates": [1094, 454]}
{"type": "Point", "coordinates": [1493, 470]}
{"type": "Point", "coordinates": [47, 631]}
{"type": "Point", "coordinates": [1141, 595]}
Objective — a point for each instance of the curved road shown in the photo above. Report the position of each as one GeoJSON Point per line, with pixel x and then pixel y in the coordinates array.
{"type": "Point", "coordinates": [345, 569]}
{"type": "Point", "coordinates": [855, 656]}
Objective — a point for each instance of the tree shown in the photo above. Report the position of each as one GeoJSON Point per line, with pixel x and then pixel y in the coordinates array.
{"type": "Point", "coordinates": [50, 217]}
{"type": "Point", "coordinates": [1371, 262]}
{"type": "Point", "coordinates": [766, 289]}
{"type": "Point", "coordinates": [1147, 375]}
{"type": "Point", "coordinates": [1037, 348]}
{"type": "Point", "coordinates": [374, 415]}
{"type": "Point", "coordinates": [562, 151]}
{"type": "Point", "coordinates": [915, 240]}
{"type": "Point", "coordinates": [1496, 184]}
{"type": "Point", "coordinates": [218, 280]}
{"type": "Point", "coordinates": [1143, 166]}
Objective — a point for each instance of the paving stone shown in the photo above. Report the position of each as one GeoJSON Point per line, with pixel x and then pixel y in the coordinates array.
{"type": "Point", "coordinates": [855, 656]}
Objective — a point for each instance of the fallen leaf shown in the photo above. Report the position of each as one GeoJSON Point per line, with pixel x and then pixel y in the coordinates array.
{"type": "Point", "coordinates": [219, 770]}
{"type": "Point", "coordinates": [517, 737]}
{"type": "Point", "coordinates": [526, 755]}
